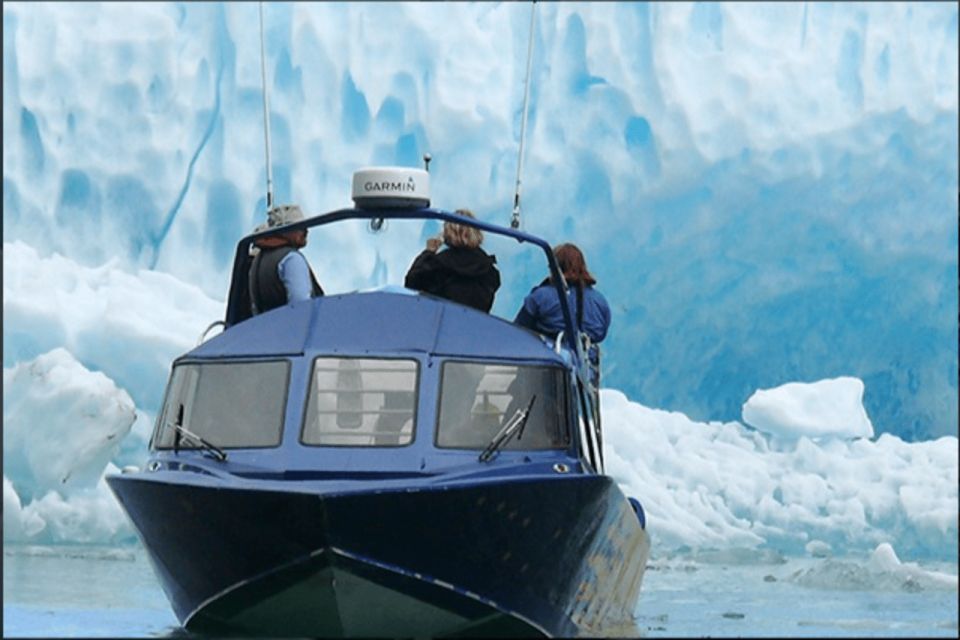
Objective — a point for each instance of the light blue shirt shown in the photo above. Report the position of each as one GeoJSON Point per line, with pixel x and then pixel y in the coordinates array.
{"type": "Point", "coordinates": [295, 274]}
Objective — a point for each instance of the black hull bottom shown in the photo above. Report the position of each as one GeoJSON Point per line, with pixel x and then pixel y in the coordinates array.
{"type": "Point", "coordinates": [332, 595]}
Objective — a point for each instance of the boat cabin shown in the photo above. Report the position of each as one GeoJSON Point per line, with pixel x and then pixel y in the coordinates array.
{"type": "Point", "coordinates": [390, 381]}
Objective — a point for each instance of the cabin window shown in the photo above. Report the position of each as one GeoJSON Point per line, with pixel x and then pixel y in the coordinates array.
{"type": "Point", "coordinates": [361, 402]}
{"type": "Point", "coordinates": [228, 404]}
{"type": "Point", "coordinates": [477, 400]}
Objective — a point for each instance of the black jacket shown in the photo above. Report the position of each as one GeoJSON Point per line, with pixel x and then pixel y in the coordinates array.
{"type": "Point", "coordinates": [463, 275]}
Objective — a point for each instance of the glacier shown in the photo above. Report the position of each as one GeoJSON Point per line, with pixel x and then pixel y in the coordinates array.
{"type": "Point", "coordinates": [766, 192]}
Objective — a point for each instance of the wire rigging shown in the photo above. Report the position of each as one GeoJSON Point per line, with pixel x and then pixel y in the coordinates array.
{"type": "Point", "coordinates": [515, 219]}
{"type": "Point", "coordinates": [266, 114]}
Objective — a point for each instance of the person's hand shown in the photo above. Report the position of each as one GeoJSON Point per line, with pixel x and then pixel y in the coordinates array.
{"type": "Point", "coordinates": [433, 244]}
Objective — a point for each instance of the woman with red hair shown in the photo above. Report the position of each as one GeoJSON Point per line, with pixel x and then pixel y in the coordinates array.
{"type": "Point", "coordinates": [591, 314]}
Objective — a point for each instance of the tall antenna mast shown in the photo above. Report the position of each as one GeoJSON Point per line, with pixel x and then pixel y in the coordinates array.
{"type": "Point", "coordinates": [266, 114]}
{"type": "Point", "coordinates": [515, 220]}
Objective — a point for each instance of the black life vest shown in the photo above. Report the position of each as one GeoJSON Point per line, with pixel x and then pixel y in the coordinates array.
{"type": "Point", "coordinates": [267, 290]}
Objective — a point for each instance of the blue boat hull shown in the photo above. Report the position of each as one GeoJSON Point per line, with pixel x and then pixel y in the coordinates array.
{"type": "Point", "coordinates": [537, 556]}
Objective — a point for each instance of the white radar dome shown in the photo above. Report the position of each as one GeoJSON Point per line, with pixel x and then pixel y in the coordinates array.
{"type": "Point", "coordinates": [391, 187]}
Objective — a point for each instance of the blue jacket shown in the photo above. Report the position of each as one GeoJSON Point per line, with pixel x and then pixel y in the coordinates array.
{"type": "Point", "coordinates": [541, 311]}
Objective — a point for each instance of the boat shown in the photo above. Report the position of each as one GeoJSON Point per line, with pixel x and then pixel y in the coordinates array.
{"type": "Point", "coordinates": [385, 463]}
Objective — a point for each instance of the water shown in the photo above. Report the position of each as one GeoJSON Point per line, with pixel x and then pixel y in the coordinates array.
{"type": "Point", "coordinates": [696, 599]}
{"type": "Point", "coordinates": [70, 592]}
{"type": "Point", "coordinates": [107, 592]}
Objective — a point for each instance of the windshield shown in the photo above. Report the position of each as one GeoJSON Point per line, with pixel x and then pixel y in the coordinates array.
{"type": "Point", "coordinates": [229, 404]}
{"type": "Point", "coordinates": [477, 399]}
{"type": "Point", "coordinates": [361, 402]}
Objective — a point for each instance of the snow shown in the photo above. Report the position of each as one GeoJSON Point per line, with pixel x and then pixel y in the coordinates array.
{"type": "Point", "coordinates": [767, 194]}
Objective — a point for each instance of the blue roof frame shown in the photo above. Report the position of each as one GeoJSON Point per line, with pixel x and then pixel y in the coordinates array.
{"type": "Point", "coordinates": [238, 285]}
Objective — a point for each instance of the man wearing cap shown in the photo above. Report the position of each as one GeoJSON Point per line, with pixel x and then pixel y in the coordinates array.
{"type": "Point", "coordinates": [279, 274]}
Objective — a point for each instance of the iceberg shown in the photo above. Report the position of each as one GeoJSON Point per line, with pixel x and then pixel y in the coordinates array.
{"type": "Point", "coordinates": [884, 559]}
{"type": "Point", "coordinates": [826, 408]}
{"type": "Point", "coordinates": [62, 427]}
{"type": "Point", "coordinates": [17, 525]}
{"type": "Point", "coordinates": [61, 424]}
{"type": "Point", "coordinates": [724, 485]}
{"type": "Point", "coordinates": [881, 571]}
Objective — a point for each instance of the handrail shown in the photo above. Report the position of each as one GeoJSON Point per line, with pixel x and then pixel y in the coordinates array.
{"type": "Point", "coordinates": [203, 336]}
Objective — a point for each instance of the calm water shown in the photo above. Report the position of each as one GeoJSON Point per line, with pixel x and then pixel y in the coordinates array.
{"type": "Point", "coordinates": [100, 592]}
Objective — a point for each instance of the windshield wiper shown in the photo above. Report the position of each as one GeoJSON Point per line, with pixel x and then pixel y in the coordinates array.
{"type": "Point", "coordinates": [212, 449]}
{"type": "Point", "coordinates": [514, 426]}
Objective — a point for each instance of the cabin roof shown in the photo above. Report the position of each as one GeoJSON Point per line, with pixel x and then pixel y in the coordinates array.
{"type": "Point", "coordinates": [377, 322]}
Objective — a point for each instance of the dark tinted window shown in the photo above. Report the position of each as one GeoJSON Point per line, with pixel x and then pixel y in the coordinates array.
{"type": "Point", "coordinates": [236, 404]}
{"type": "Point", "coordinates": [477, 399]}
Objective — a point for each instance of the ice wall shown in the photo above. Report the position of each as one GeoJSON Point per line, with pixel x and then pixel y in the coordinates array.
{"type": "Point", "coordinates": [767, 192]}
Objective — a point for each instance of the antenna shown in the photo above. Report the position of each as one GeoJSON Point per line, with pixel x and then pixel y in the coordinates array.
{"type": "Point", "coordinates": [515, 220]}
{"type": "Point", "coordinates": [266, 114]}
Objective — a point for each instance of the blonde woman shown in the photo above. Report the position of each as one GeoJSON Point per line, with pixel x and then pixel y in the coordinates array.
{"type": "Point", "coordinates": [462, 272]}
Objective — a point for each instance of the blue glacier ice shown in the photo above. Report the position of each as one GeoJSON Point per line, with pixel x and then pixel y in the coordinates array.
{"type": "Point", "coordinates": [766, 192]}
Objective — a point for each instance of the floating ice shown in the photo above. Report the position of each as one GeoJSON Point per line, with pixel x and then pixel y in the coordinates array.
{"type": "Point", "coordinates": [723, 485]}
{"type": "Point", "coordinates": [62, 425]}
{"type": "Point", "coordinates": [882, 571]}
{"type": "Point", "coordinates": [18, 525]}
{"type": "Point", "coordinates": [827, 408]}
{"type": "Point", "coordinates": [85, 516]}
{"type": "Point", "coordinates": [818, 549]}
{"type": "Point", "coordinates": [884, 559]}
